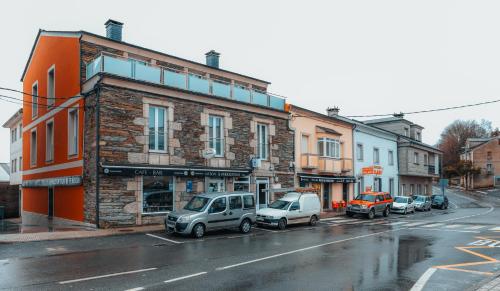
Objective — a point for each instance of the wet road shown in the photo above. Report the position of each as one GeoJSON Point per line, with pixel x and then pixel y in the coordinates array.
{"type": "Point", "coordinates": [438, 250]}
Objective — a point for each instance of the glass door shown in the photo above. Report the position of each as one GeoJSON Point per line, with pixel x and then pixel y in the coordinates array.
{"type": "Point", "coordinates": [326, 196]}
{"type": "Point", "coordinates": [262, 184]}
{"type": "Point", "coordinates": [50, 212]}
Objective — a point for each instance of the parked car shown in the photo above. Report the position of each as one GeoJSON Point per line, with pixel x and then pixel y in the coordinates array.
{"type": "Point", "coordinates": [370, 204]}
{"type": "Point", "coordinates": [423, 203]}
{"type": "Point", "coordinates": [439, 201]}
{"type": "Point", "coordinates": [403, 205]}
{"type": "Point", "coordinates": [291, 209]}
{"type": "Point", "coordinates": [210, 211]}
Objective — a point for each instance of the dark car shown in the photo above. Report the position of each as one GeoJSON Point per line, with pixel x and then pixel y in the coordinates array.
{"type": "Point", "coordinates": [439, 201]}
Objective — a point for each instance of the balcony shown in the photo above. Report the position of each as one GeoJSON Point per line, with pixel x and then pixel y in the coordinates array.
{"type": "Point", "coordinates": [138, 70]}
{"type": "Point", "coordinates": [325, 164]}
{"type": "Point", "coordinates": [431, 170]}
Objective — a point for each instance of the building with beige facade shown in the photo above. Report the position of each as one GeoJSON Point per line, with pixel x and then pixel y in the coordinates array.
{"type": "Point", "coordinates": [323, 155]}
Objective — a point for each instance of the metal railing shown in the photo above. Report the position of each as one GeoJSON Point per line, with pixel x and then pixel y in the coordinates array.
{"type": "Point", "coordinates": [142, 71]}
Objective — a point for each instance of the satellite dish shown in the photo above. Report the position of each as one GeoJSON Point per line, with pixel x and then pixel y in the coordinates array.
{"type": "Point", "coordinates": [208, 153]}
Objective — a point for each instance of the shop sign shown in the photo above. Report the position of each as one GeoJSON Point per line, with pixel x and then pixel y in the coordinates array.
{"type": "Point", "coordinates": [209, 173]}
{"type": "Point", "coordinates": [142, 171]}
{"type": "Point", "coordinates": [372, 170]}
{"type": "Point", "coordinates": [322, 179]}
{"type": "Point", "coordinates": [51, 182]}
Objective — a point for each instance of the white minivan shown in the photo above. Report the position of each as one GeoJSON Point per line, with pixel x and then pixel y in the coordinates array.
{"type": "Point", "coordinates": [292, 208]}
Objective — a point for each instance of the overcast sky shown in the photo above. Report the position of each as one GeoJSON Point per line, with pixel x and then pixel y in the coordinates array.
{"type": "Point", "coordinates": [366, 57]}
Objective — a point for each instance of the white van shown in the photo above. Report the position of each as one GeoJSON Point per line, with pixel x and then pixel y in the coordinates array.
{"type": "Point", "coordinates": [292, 208]}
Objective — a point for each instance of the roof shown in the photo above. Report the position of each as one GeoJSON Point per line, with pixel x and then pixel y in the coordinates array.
{"type": "Point", "coordinates": [4, 172]}
{"type": "Point", "coordinates": [14, 118]}
{"type": "Point", "coordinates": [482, 141]}
{"type": "Point", "coordinates": [320, 115]}
{"type": "Point", "coordinates": [213, 195]}
{"type": "Point", "coordinates": [391, 119]}
{"type": "Point", "coordinates": [81, 32]}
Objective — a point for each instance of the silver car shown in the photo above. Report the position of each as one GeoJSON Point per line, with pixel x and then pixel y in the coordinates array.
{"type": "Point", "coordinates": [210, 211]}
{"type": "Point", "coordinates": [422, 203]}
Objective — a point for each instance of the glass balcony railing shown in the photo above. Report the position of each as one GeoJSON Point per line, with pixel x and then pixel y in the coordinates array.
{"type": "Point", "coordinates": [139, 70]}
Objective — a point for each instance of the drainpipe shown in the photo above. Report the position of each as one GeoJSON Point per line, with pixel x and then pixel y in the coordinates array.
{"type": "Point", "coordinates": [289, 122]}
{"type": "Point", "coordinates": [353, 161]}
{"type": "Point", "coordinates": [97, 160]}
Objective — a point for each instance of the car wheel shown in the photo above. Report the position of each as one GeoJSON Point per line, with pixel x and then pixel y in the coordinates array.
{"type": "Point", "coordinates": [371, 214]}
{"type": "Point", "coordinates": [442, 206]}
{"type": "Point", "coordinates": [350, 214]}
{"type": "Point", "coordinates": [313, 220]}
{"type": "Point", "coordinates": [199, 230]}
{"type": "Point", "coordinates": [387, 212]}
{"type": "Point", "coordinates": [282, 224]}
{"type": "Point", "coordinates": [245, 226]}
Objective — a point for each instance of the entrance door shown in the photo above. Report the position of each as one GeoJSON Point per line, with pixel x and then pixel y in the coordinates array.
{"type": "Point", "coordinates": [262, 184]}
{"type": "Point", "coordinates": [326, 196]}
{"type": "Point", "coordinates": [50, 213]}
{"type": "Point", "coordinates": [345, 192]}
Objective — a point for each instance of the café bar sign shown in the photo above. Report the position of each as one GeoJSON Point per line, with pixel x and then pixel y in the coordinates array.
{"type": "Point", "coordinates": [51, 182]}
{"type": "Point", "coordinates": [372, 170]}
{"type": "Point", "coordinates": [186, 172]}
{"type": "Point", "coordinates": [326, 179]}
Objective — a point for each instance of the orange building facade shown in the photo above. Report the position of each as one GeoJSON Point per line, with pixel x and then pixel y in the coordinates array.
{"type": "Point", "coordinates": [52, 129]}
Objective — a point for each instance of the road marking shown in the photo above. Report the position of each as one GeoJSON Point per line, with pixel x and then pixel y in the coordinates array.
{"type": "Point", "coordinates": [358, 222]}
{"type": "Point", "coordinates": [481, 242]}
{"type": "Point", "coordinates": [135, 289]}
{"type": "Point", "coordinates": [476, 227]}
{"type": "Point", "coordinates": [495, 228]}
{"type": "Point", "coordinates": [165, 239]}
{"type": "Point", "coordinates": [342, 221]}
{"type": "Point", "coordinates": [442, 229]}
{"type": "Point", "coordinates": [184, 277]}
{"type": "Point", "coordinates": [433, 225]}
{"type": "Point", "coordinates": [301, 250]}
{"type": "Point", "coordinates": [454, 226]}
{"type": "Point", "coordinates": [416, 223]}
{"type": "Point", "coordinates": [331, 218]}
{"type": "Point", "coordinates": [420, 284]}
{"type": "Point", "coordinates": [107, 276]}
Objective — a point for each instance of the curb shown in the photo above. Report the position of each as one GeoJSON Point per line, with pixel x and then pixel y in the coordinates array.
{"type": "Point", "coordinates": [63, 235]}
{"type": "Point", "coordinates": [483, 284]}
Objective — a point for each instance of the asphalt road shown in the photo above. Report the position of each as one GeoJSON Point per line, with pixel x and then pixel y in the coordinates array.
{"type": "Point", "coordinates": [450, 249]}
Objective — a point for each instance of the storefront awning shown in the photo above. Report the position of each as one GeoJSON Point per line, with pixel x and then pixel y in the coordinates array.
{"type": "Point", "coordinates": [326, 179]}
{"type": "Point", "coordinates": [139, 170]}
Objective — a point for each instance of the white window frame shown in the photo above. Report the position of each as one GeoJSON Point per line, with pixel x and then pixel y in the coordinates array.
{"type": "Point", "coordinates": [241, 181]}
{"type": "Point", "coordinates": [72, 152]}
{"type": "Point", "coordinates": [165, 126]}
{"type": "Point", "coordinates": [390, 157]}
{"type": "Point", "coordinates": [419, 135]}
{"type": "Point", "coordinates": [304, 143]}
{"type": "Point", "coordinates": [51, 96]}
{"type": "Point", "coordinates": [33, 148]}
{"type": "Point", "coordinates": [20, 163]}
{"type": "Point", "coordinates": [212, 134]}
{"type": "Point", "coordinates": [407, 131]}
{"type": "Point", "coordinates": [334, 151]}
{"type": "Point", "coordinates": [34, 100]}
{"type": "Point", "coordinates": [262, 141]}
{"type": "Point", "coordinates": [416, 158]}
{"type": "Point", "coordinates": [376, 157]}
{"type": "Point", "coordinates": [49, 151]}
{"type": "Point", "coordinates": [360, 152]}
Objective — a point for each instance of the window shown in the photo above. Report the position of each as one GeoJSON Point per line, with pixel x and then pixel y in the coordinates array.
{"type": "Point", "coordinates": [241, 184]}
{"type": "Point", "coordinates": [415, 158]}
{"type": "Point", "coordinates": [12, 168]}
{"type": "Point", "coordinates": [248, 202]}
{"type": "Point", "coordinates": [359, 152]}
{"type": "Point", "coordinates": [295, 206]}
{"type": "Point", "coordinates": [328, 147]}
{"type": "Point", "coordinates": [235, 202]}
{"type": "Point", "coordinates": [49, 141]}
{"type": "Point", "coordinates": [20, 163]}
{"type": "Point", "coordinates": [376, 156]}
{"type": "Point", "coordinates": [407, 131]}
{"type": "Point", "coordinates": [73, 132]}
{"type": "Point", "coordinates": [219, 205]}
{"type": "Point", "coordinates": [305, 144]}
{"type": "Point", "coordinates": [157, 194]}
{"type": "Point", "coordinates": [489, 168]}
{"type": "Point", "coordinates": [412, 189]}
{"type": "Point", "coordinates": [403, 189]}
{"type": "Point", "coordinates": [12, 136]}
{"type": "Point", "coordinates": [216, 185]}
{"type": "Point", "coordinates": [488, 155]}
{"type": "Point", "coordinates": [426, 160]}
{"type": "Point", "coordinates": [33, 148]}
{"type": "Point", "coordinates": [34, 100]}
{"type": "Point", "coordinates": [20, 131]}
{"type": "Point", "coordinates": [216, 134]}
{"type": "Point", "coordinates": [419, 135]}
{"type": "Point", "coordinates": [51, 87]}
{"type": "Point", "coordinates": [390, 157]}
{"type": "Point", "coordinates": [377, 187]}
{"type": "Point", "coordinates": [157, 128]}
{"type": "Point", "coordinates": [262, 141]}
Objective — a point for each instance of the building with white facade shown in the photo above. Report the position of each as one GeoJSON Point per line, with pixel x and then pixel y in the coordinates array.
{"type": "Point", "coordinates": [15, 124]}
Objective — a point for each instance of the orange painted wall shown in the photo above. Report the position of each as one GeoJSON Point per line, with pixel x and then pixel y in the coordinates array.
{"type": "Point", "coordinates": [64, 54]}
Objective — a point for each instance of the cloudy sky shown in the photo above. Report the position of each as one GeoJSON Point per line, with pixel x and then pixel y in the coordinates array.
{"type": "Point", "coordinates": [366, 57]}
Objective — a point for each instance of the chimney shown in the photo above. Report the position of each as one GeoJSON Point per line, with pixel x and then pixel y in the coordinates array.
{"type": "Point", "coordinates": [332, 112]}
{"type": "Point", "coordinates": [399, 115]}
{"type": "Point", "coordinates": [213, 59]}
{"type": "Point", "coordinates": [114, 29]}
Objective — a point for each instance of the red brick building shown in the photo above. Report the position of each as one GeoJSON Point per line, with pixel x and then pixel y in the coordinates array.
{"type": "Point", "coordinates": [485, 154]}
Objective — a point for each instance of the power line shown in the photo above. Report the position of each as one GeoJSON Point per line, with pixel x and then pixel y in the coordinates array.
{"type": "Point", "coordinates": [37, 95]}
{"type": "Point", "coordinates": [22, 102]}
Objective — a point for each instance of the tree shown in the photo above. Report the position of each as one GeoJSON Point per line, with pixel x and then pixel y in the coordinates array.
{"type": "Point", "coordinates": [455, 135]}
{"type": "Point", "coordinates": [466, 170]}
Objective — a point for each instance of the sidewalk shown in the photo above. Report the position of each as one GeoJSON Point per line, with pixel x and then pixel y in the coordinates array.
{"type": "Point", "coordinates": [74, 234]}
{"type": "Point", "coordinates": [491, 284]}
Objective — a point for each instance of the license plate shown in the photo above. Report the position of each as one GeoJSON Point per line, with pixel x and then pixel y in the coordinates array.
{"type": "Point", "coordinates": [260, 219]}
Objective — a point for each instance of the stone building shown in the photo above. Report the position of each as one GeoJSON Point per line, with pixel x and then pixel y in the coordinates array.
{"type": "Point", "coordinates": [484, 153]}
{"type": "Point", "coordinates": [158, 129]}
{"type": "Point", "coordinates": [418, 163]}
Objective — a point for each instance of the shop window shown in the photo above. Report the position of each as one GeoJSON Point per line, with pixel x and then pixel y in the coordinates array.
{"type": "Point", "coordinates": [262, 141]}
{"type": "Point", "coordinates": [216, 134]}
{"type": "Point", "coordinates": [328, 147]}
{"type": "Point", "coordinates": [241, 184]}
{"type": "Point", "coordinates": [216, 185]}
{"type": "Point", "coordinates": [157, 128]}
{"type": "Point", "coordinates": [157, 194]}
